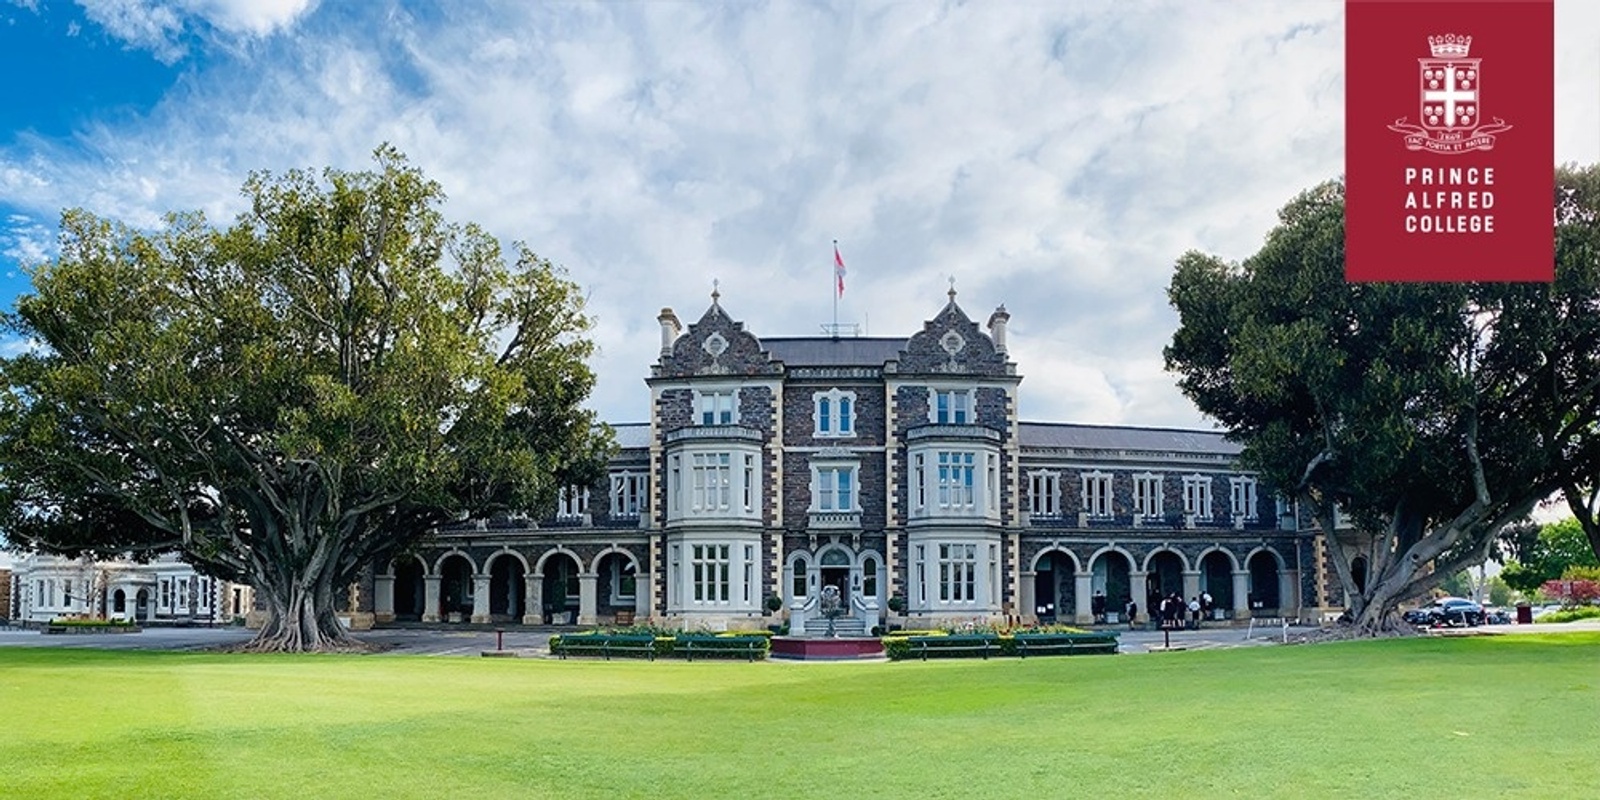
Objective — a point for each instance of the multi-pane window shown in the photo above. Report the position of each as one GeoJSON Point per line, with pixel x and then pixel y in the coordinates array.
{"type": "Point", "coordinates": [1244, 497]}
{"type": "Point", "coordinates": [710, 481]}
{"type": "Point", "coordinates": [1197, 496]}
{"type": "Point", "coordinates": [951, 407]}
{"type": "Point", "coordinates": [1097, 494]}
{"type": "Point", "coordinates": [836, 489]}
{"type": "Point", "coordinates": [750, 482]}
{"type": "Point", "coordinates": [715, 408]}
{"type": "Point", "coordinates": [628, 494]}
{"type": "Point", "coordinates": [1044, 494]}
{"type": "Point", "coordinates": [919, 485]}
{"type": "Point", "coordinates": [869, 577]}
{"type": "Point", "coordinates": [798, 587]}
{"type": "Point", "coordinates": [572, 502]}
{"type": "Point", "coordinates": [166, 594]}
{"type": "Point", "coordinates": [835, 413]}
{"type": "Point", "coordinates": [992, 481]}
{"type": "Point", "coordinates": [66, 593]}
{"type": "Point", "coordinates": [958, 573]}
{"type": "Point", "coordinates": [1147, 495]}
{"type": "Point", "coordinates": [708, 572]}
{"type": "Point", "coordinates": [955, 479]}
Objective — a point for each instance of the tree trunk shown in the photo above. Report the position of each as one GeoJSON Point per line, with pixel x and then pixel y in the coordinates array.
{"type": "Point", "coordinates": [300, 610]}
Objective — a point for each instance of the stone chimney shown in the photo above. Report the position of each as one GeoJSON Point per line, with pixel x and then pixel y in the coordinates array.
{"type": "Point", "coordinates": [997, 327]}
{"type": "Point", "coordinates": [670, 328]}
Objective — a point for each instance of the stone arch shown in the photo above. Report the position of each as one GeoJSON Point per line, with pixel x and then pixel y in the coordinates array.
{"type": "Point", "coordinates": [457, 588]}
{"type": "Point", "coordinates": [558, 550]}
{"type": "Point", "coordinates": [617, 581]}
{"type": "Point", "coordinates": [1154, 553]}
{"type": "Point", "coordinates": [1077, 566]}
{"type": "Point", "coordinates": [1265, 569]}
{"type": "Point", "coordinates": [594, 565]}
{"type": "Point", "coordinates": [1055, 584]}
{"type": "Point", "coordinates": [1217, 566]}
{"type": "Point", "coordinates": [558, 570]}
{"type": "Point", "coordinates": [410, 588]}
{"type": "Point", "coordinates": [835, 565]}
{"type": "Point", "coordinates": [508, 596]}
{"type": "Point", "coordinates": [454, 551]}
{"type": "Point", "coordinates": [1233, 561]}
{"type": "Point", "coordinates": [1110, 567]}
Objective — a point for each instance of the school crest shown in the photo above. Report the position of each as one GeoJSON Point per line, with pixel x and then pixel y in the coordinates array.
{"type": "Point", "coordinates": [1449, 101]}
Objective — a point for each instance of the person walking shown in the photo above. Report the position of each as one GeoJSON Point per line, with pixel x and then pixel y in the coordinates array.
{"type": "Point", "coordinates": [1132, 610]}
{"type": "Point", "coordinates": [1097, 605]}
{"type": "Point", "coordinates": [1194, 613]}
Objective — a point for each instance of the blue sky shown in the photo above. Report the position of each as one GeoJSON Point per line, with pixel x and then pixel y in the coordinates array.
{"type": "Point", "coordinates": [1056, 157]}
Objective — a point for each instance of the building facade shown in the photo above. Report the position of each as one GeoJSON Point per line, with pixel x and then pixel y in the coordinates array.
{"type": "Point", "coordinates": [889, 468]}
{"type": "Point", "coordinates": [162, 591]}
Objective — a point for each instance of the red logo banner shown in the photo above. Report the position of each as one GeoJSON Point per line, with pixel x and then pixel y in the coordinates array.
{"type": "Point", "coordinates": [1449, 140]}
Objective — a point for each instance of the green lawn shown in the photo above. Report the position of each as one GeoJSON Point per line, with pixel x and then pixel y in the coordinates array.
{"type": "Point", "coordinates": [1466, 717]}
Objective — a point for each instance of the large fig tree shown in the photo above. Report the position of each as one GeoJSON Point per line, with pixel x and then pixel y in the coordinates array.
{"type": "Point", "coordinates": [292, 397]}
{"type": "Point", "coordinates": [1428, 417]}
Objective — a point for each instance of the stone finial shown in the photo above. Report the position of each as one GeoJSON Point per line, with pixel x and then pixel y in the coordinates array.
{"type": "Point", "coordinates": [716, 291]}
{"type": "Point", "coordinates": [670, 328]}
{"type": "Point", "coordinates": [952, 291]}
{"type": "Point", "coordinates": [997, 327]}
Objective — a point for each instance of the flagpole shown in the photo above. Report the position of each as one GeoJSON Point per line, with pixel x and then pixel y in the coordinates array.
{"type": "Point", "coordinates": [833, 288]}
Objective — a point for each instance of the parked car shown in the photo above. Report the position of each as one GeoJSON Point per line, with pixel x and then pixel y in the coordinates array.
{"type": "Point", "coordinates": [1446, 611]}
{"type": "Point", "coordinates": [1498, 616]}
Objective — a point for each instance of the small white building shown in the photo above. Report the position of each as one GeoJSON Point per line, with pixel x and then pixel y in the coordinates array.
{"type": "Point", "coordinates": [164, 590]}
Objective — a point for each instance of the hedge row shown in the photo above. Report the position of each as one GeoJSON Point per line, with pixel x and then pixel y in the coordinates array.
{"type": "Point", "coordinates": [943, 644]}
{"type": "Point", "coordinates": [666, 644]}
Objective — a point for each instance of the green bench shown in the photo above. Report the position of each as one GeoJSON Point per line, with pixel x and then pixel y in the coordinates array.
{"type": "Point", "coordinates": [982, 645]}
{"type": "Point", "coordinates": [605, 645]}
{"type": "Point", "coordinates": [1042, 644]}
{"type": "Point", "coordinates": [748, 646]}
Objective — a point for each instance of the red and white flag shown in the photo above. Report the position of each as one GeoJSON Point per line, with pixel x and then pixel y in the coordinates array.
{"type": "Point", "coordinates": [838, 268]}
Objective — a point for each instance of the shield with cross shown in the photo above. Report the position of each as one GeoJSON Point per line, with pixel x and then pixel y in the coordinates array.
{"type": "Point", "coordinates": [1451, 85]}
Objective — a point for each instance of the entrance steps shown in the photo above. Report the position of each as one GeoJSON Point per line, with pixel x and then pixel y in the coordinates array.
{"type": "Point", "coordinates": [843, 626]}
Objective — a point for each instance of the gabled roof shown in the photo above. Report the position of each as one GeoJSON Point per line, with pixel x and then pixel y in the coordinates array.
{"type": "Point", "coordinates": [1117, 437]}
{"type": "Point", "coordinates": [827, 351]}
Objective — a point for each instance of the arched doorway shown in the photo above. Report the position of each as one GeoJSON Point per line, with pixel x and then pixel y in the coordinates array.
{"type": "Point", "coordinates": [119, 602]}
{"type": "Point", "coordinates": [507, 589]}
{"type": "Point", "coordinates": [409, 593]}
{"type": "Point", "coordinates": [834, 569]}
{"type": "Point", "coordinates": [1216, 579]}
{"type": "Point", "coordinates": [1263, 582]}
{"type": "Point", "coordinates": [1164, 577]}
{"type": "Point", "coordinates": [618, 586]}
{"type": "Point", "coordinates": [141, 605]}
{"type": "Point", "coordinates": [455, 588]}
{"type": "Point", "coordinates": [560, 589]}
{"type": "Point", "coordinates": [1111, 576]}
{"type": "Point", "coordinates": [1055, 587]}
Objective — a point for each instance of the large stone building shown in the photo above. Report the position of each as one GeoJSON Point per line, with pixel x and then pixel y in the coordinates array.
{"type": "Point", "coordinates": [887, 467]}
{"type": "Point", "coordinates": [164, 590]}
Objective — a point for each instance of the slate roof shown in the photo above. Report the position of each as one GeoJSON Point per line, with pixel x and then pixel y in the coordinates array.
{"type": "Point", "coordinates": [1114, 437]}
{"type": "Point", "coordinates": [826, 351]}
{"type": "Point", "coordinates": [632, 434]}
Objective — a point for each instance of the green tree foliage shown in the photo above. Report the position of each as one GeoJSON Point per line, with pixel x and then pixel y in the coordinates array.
{"type": "Point", "coordinates": [1434, 414]}
{"type": "Point", "coordinates": [1544, 553]}
{"type": "Point", "coordinates": [291, 398]}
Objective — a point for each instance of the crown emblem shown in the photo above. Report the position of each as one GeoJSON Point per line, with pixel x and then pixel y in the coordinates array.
{"type": "Point", "coordinates": [1450, 45]}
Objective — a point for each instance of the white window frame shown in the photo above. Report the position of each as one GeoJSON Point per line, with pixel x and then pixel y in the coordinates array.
{"type": "Point", "coordinates": [714, 483]}
{"type": "Point", "coordinates": [628, 494]}
{"type": "Point", "coordinates": [956, 480]}
{"type": "Point", "coordinates": [833, 414]}
{"type": "Point", "coordinates": [1197, 496]}
{"type": "Point", "coordinates": [1097, 489]}
{"type": "Point", "coordinates": [572, 502]}
{"type": "Point", "coordinates": [710, 573]}
{"type": "Point", "coordinates": [960, 406]}
{"type": "Point", "coordinates": [720, 405]}
{"type": "Point", "coordinates": [1242, 491]}
{"type": "Point", "coordinates": [617, 597]}
{"type": "Point", "coordinates": [1147, 491]}
{"type": "Point", "coordinates": [919, 482]}
{"type": "Point", "coordinates": [958, 573]}
{"type": "Point", "coordinates": [1044, 494]}
{"type": "Point", "coordinates": [825, 485]}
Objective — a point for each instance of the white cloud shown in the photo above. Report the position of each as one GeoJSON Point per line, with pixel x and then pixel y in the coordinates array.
{"type": "Point", "coordinates": [160, 25]}
{"type": "Point", "coordinates": [1056, 158]}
